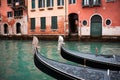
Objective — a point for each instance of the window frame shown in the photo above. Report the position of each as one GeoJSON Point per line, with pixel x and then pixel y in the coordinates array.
{"type": "Point", "coordinates": [54, 23]}
{"type": "Point", "coordinates": [9, 14]}
{"type": "Point", "coordinates": [18, 13]}
{"type": "Point", "coordinates": [41, 3]}
{"type": "Point", "coordinates": [9, 2]}
{"type": "Point", "coordinates": [72, 1]}
{"type": "Point", "coordinates": [110, 0]}
{"type": "Point", "coordinates": [91, 3]}
{"type": "Point", "coordinates": [50, 3]}
{"type": "Point", "coordinates": [33, 4]}
{"type": "Point", "coordinates": [60, 2]}
{"type": "Point", "coordinates": [32, 26]}
{"type": "Point", "coordinates": [109, 23]}
{"type": "Point", "coordinates": [43, 23]}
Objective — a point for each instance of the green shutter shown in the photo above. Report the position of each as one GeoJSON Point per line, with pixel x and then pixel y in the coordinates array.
{"type": "Point", "coordinates": [48, 3]}
{"type": "Point", "coordinates": [33, 4]}
{"type": "Point", "coordinates": [43, 23]}
{"type": "Point", "coordinates": [54, 22]}
{"type": "Point", "coordinates": [32, 23]}
{"type": "Point", "coordinates": [62, 2]}
{"type": "Point", "coordinates": [39, 3]}
{"type": "Point", "coordinates": [58, 2]}
{"type": "Point", "coordinates": [52, 2]}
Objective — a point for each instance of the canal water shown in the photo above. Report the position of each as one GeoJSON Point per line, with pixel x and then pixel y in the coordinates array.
{"type": "Point", "coordinates": [16, 57]}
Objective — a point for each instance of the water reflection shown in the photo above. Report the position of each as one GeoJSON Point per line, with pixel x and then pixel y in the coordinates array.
{"type": "Point", "coordinates": [16, 57]}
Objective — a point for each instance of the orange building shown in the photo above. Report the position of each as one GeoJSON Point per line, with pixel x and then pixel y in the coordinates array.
{"type": "Point", "coordinates": [95, 18]}
{"type": "Point", "coordinates": [46, 17]}
{"type": "Point", "coordinates": [13, 17]}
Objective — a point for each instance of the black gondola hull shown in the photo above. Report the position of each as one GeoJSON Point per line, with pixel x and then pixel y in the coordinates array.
{"type": "Point", "coordinates": [88, 62]}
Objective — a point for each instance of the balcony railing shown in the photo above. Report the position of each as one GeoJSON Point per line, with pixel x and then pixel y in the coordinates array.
{"type": "Point", "coordinates": [20, 4]}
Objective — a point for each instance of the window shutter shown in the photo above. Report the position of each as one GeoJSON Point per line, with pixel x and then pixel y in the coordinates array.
{"type": "Point", "coordinates": [90, 3]}
{"type": "Point", "coordinates": [62, 2]}
{"type": "Point", "coordinates": [54, 22]}
{"type": "Point", "coordinates": [70, 2]}
{"type": "Point", "coordinates": [83, 3]}
{"type": "Point", "coordinates": [39, 3]}
{"type": "Point", "coordinates": [48, 3]}
{"type": "Point", "coordinates": [43, 23]}
{"type": "Point", "coordinates": [33, 4]}
{"type": "Point", "coordinates": [32, 23]}
{"type": "Point", "coordinates": [58, 2]}
{"type": "Point", "coordinates": [99, 2]}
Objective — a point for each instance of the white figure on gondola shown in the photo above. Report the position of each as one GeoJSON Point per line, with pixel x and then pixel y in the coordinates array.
{"type": "Point", "coordinates": [60, 42]}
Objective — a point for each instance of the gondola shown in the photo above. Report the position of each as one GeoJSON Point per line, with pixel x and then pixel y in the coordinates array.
{"type": "Point", "coordinates": [111, 62]}
{"type": "Point", "coordinates": [64, 71]}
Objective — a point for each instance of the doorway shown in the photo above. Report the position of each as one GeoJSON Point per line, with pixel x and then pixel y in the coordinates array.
{"type": "Point", "coordinates": [5, 29]}
{"type": "Point", "coordinates": [73, 23]}
{"type": "Point", "coordinates": [96, 26]}
{"type": "Point", "coordinates": [18, 29]}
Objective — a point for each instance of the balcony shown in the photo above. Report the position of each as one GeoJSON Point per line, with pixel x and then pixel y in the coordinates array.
{"type": "Point", "coordinates": [20, 4]}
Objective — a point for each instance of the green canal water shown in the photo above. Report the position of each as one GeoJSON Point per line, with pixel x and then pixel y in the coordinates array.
{"type": "Point", "coordinates": [16, 57]}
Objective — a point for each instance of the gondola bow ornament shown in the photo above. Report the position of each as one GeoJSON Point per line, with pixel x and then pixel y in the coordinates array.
{"type": "Point", "coordinates": [60, 42]}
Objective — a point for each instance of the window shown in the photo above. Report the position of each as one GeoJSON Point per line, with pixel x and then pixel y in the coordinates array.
{"type": "Point", "coordinates": [91, 3]}
{"type": "Point", "coordinates": [43, 23]}
{"type": "Point", "coordinates": [9, 2]}
{"type": "Point", "coordinates": [84, 22]}
{"type": "Point", "coordinates": [41, 3]}
{"type": "Point", "coordinates": [33, 4]}
{"type": "Point", "coordinates": [60, 2]}
{"type": "Point", "coordinates": [9, 14]}
{"type": "Point", "coordinates": [72, 1]}
{"type": "Point", "coordinates": [0, 2]}
{"type": "Point", "coordinates": [32, 23]}
{"type": "Point", "coordinates": [18, 13]}
{"type": "Point", "coordinates": [54, 22]}
{"type": "Point", "coordinates": [108, 22]}
{"type": "Point", "coordinates": [96, 2]}
{"type": "Point", "coordinates": [110, 0]}
{"type": "Point", "coordinates": [50, 3]}
{"type": "Point", "coordinates": [86, 2]}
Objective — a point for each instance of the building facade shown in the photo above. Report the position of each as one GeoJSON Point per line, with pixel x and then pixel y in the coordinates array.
{"type": "Point", "coordinates": [95, 18]}
{"type": "Point", "coordinates": [13, 17]}
{"type": "Point", "coordinates": [46, 17]}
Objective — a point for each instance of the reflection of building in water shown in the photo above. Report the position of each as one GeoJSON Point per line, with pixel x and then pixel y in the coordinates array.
{"type": "Point", "coordinates": [13, 17]}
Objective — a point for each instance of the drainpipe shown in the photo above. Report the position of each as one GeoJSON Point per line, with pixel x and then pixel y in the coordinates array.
{"type": "Point", "coordinates": [79, 25]}
{"type": "Point", "coordinates": [65, 23]}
